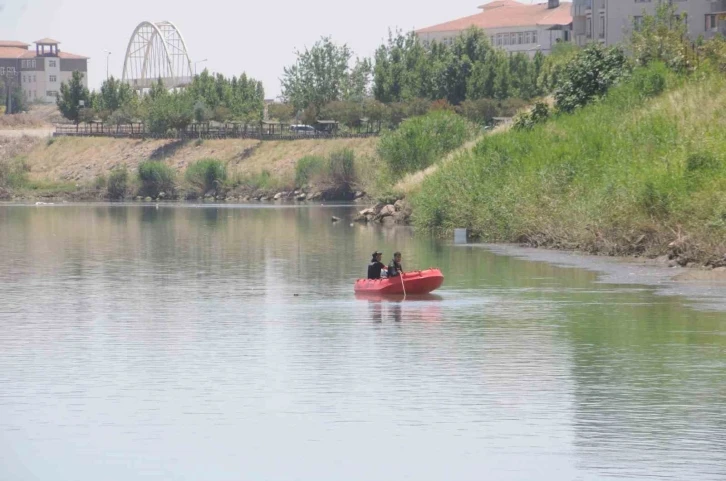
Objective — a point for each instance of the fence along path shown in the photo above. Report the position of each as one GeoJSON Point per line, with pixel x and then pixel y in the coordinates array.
{"type": "Point", "coordinates": [138, 131]}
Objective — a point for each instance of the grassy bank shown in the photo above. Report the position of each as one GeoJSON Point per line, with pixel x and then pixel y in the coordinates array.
{"type": "Point", "coordinates": [72, 167]}
{"type": "Point", "coordinates": [626, 175]}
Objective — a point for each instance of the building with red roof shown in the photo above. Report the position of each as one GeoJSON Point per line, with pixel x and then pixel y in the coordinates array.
{"type": "Point", "coordinates": [40, 70]}
{"type": "Point", "coordinates": [511, 25]}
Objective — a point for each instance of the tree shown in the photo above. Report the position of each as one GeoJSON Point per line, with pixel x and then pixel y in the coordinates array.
{"type": "Point", "coordinates": [589, 76]}
{"type": "Point", "coordinates": [357, 85]}
{"type": "Point", "coordinates": [114, 95]}
{"type": "Point", "coordinates": [12, 96]}
{"type": "Point", "coordinates": [397, 75]}
{"type": "Point", "coordinates": [661, 37]}
{"type": "Point", "coordinates": [320, 75]}
{"type": "Point", "coordinates": [71, 95]}
{"type": "Point", "coordinates": [280, 112]}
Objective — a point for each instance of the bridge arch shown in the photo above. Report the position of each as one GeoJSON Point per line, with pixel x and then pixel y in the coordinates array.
{"type": "Point", "coordinates": [157, 51]}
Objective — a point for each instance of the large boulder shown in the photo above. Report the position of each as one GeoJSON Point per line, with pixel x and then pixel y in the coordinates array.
{"type": "Point", "coordinates": [278, 196]}
{"type": "Point", "coordinates": [386, 211]}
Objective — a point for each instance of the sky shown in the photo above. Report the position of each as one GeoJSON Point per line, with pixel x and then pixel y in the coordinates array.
{"type": "Point", "coordinates": [258, 38]}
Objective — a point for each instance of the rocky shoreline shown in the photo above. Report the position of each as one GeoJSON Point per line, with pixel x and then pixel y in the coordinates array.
{"type": "Point", "coordinates": [387, 214]}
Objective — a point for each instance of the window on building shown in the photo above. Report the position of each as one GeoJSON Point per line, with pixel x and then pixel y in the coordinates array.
{"type": "Point", "coordinates": [32, 63]}
{"type": "Point", "coordinates": [534, 37]}
{"type": "Point", "coordinates": [2, 71]}
{"type": "Point", "coordinates": [637, 22]}
{"type": "Point", "coordinates": [588, 27]}
{"type": "Point", "coordinates": [710, 22]}
{"type": "Point", "coordinates": [642, 1]}
{"type": "Point", "coordinates": [52, 78]}
{"type": "Point", "coordinates": [520, 38]}
{"type": "Point", "coordinates": [602, 26]}
{"type": "Point", "coordinates": [24, 79]}
{"type": "Point", "coordinates": [51, 63]}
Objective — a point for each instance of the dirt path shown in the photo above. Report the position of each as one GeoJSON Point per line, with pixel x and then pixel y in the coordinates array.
{"type": "Point", "coordinates": [28, 132]}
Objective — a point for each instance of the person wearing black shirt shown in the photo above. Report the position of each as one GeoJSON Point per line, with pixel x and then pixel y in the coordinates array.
{"type": "Point", "coordinates": [376, 266]}
{"type": "Point", "coordinates": [394, 268]}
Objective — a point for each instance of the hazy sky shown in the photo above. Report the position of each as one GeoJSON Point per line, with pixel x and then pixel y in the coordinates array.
{"type": "Point", "coordinates": [252, 36]}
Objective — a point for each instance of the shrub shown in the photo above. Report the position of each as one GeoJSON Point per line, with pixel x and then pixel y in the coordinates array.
{"type": "Point", "coordinates": [117, 184]}
{"type": "Point", "coordinates": [420, 141]}
{"type": "Point", "coordinates": [341, 167]}
{"type": "Point", "coordinates": [538, 114]}
{"type": "Point", "coordinates": [260, 181]}
{"type": "Point", "coordinates": [307, 168]}
{"type": "Point", "coordinates": [661, 37]}
{"type": "Point", "coordinates": [650, 81]}
{"type": "Point", "coordinates": [205, 175]}
{"type": "Point", "coordinates": [156, 177]}
{"type": "Point", "coordinates": [99, 183]}
{"type": "Point", "coordinates": [589, 76]}
{"type": "Point", "coordinates": [13, 173]}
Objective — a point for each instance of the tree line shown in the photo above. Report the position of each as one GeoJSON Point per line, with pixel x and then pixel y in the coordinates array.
{"type": "Point", "coordinates": [208, 97]}
{"type": "Point", "coordinates": [406, 74]}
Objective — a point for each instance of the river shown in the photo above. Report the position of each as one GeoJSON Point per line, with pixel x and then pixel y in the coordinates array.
{"type": "Point", "coordinates": [202, 342]}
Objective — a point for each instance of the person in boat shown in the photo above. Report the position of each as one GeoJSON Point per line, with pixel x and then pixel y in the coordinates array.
{"type": "Point", "coordinates": [376, 267]}
{"type": "Point", "coordinates": [394, 268]}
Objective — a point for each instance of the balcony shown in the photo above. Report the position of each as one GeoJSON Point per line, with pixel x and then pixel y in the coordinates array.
{"type": "Point", "coordinates": [718, 6]}
{"type": "Point", "coordinates": [580, 8]}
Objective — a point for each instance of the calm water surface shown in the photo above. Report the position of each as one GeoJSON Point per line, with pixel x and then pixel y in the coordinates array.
{"type": "Point", "coordinates": [167, 343]}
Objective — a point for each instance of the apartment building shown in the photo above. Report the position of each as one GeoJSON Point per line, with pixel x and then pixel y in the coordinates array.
{"type": "Point", "coordinates": [40, 70]}
{"type": "Point", "coordinates": [511, 25]}
{"type": "Point", "coordinates": [611, 21]}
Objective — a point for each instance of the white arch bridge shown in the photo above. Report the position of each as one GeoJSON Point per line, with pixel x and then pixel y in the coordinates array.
{"type": "Point", "coordinates": [157, 51]}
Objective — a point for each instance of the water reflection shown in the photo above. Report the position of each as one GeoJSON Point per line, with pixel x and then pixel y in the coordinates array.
{"type": "Point", "coordinates": [397, 308]}
{"type": "Point", "coordinates": [131, 336]}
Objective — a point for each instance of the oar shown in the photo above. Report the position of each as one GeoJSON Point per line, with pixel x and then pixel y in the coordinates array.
{"type": "Point", "coordinates": [403, 285]}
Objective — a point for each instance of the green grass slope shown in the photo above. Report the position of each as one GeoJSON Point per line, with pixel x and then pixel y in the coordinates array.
{"type": "Point", "coordinates": [627, 175]}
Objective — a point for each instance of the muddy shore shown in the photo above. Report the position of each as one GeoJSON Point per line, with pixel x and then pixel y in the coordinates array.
{"type": "Point", "coordinates": [703, 287]}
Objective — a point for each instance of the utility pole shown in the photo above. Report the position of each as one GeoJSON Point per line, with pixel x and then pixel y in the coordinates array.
{"type": "Point", "coordinates": [195, 65]}
{"type": "Point", "coordinates": [108, 54]}
{"type": "Point", "coordinates": [9, 76]}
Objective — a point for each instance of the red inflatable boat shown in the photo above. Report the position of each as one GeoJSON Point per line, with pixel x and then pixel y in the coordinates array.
{"type": "Point", "coordinates": [414, 282]}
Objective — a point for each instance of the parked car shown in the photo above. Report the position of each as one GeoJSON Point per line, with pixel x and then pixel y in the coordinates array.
{"type": "Point", "coordinates": [302, 129]}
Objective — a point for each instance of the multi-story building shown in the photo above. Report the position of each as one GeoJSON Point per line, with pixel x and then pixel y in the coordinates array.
{"type": "Point", "coordinates": [511, 25]}
{"type": "Point", "coordinates": [39, 71]}
{"type": "Point", "coordinates": [611, 21]}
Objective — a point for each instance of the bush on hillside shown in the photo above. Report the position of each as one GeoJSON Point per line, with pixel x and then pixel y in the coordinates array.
{"type": "Point", "coordinates": [662, 37]}
{"type": "Point", "coordinates": [117, 185]}
{"type": "Point", "coordinates": [337, 169]}
{"type": "Point", "coordinates": [13, 173]}
{"type": "Point", "coordinates": [420, 141]}
{"type": "Point", "coordinates": [308, 168]}
{"type": "Point", "coordinates": [538, 114]}
{"type": "Point", "coordinates": [589, 76]}
{"type": "Point", "coordinates": [206, 175]}
{"type": "Point", "coordinates": [651, 80]}
{"type": "Point", "coordinates": [341, 167]}
{"type": "Point", "coordinates": [156, 177]}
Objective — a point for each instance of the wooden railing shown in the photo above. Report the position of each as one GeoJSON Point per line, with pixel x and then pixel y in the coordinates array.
{"type": "Point", "coordinates": [138, 131]}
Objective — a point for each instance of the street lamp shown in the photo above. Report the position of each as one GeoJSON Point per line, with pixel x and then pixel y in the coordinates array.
{"type": "Point", "coordinates": [195, 65]}
{"type": "Point", "coordinates": [108, 54]}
